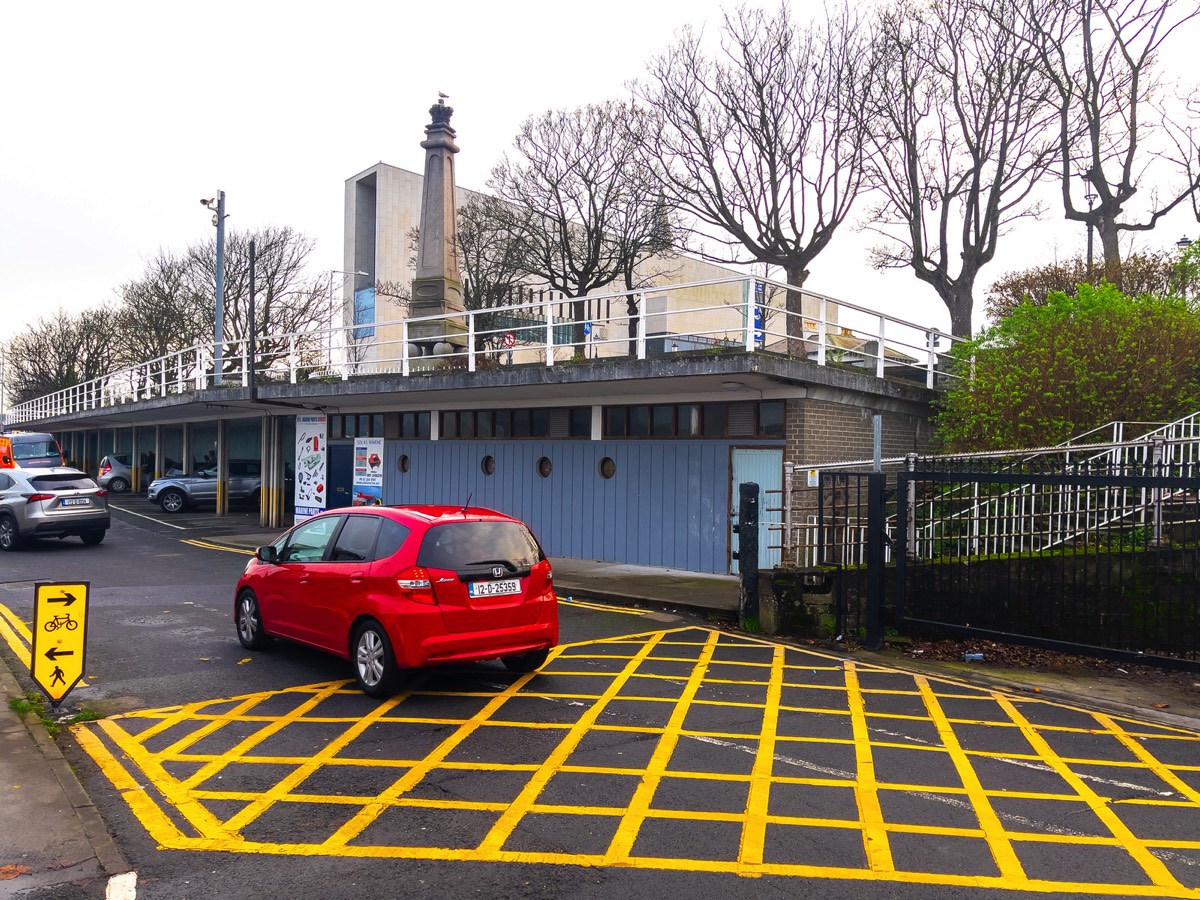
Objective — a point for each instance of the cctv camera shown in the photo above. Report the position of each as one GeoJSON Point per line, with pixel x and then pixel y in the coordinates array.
{"type": "Point", "coordinates": [204, 202]}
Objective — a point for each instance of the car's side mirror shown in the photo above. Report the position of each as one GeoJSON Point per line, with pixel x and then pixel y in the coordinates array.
{"type": "Point", "coordinates": [267, 554]}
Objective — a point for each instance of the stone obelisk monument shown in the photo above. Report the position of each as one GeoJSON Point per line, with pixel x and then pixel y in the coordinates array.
{"type": "Point", "coordinates": [437, 290]}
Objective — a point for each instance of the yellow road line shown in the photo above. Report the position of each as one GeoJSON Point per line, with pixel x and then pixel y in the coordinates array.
{"type": "Point", "coordinates": [416, 774]}
{"type": "Point", "coordinates": [998, 842]}
{"type": "Point", "coordinates": [205, 545]}
{"type": "Point", "coordinates": [754, 829]}
{"type": "Point", "coordinates": [621, 847]}
{"type": "Point", "coordinates": [507, 823]}
{"type": "Point", "coordinates": [1155, 869]}
{"type": "Point", "coordinates": [1149, 760]}
{"type": "Point", "coordinates": [602, 607]}
{"type": "Point", "coordinates": [16, 634]}
{"type": "Point", "coordinates": [875, 838]}
{"type": "Point", "coordinates": [148, 781]}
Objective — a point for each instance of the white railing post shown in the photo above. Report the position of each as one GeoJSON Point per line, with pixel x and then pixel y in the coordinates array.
{"type": "Point", "coordinates": [404, 358]}
{"type": "Point", "coordinates": [931, 340]}
{"type": "Point", "coordinates": [293, 359]}
{"type": "Point", "coordinates": [549, 332]}
{"type": "Point", "coordinates": [245, 364]}
{"type": "Point", "coordinates": [471, 341]}
{"type": "Point", "coordinates": [641, 335]}
{"type": "Point", "coordinates": [879, 355]}
{"type": "Point", "coordinates": [748, 315]}
{"type": "Point", "coordinates": [822, 332]}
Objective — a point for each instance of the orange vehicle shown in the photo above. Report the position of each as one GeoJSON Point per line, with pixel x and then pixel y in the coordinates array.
{"type": "Point", "coordinates": [29, 450]}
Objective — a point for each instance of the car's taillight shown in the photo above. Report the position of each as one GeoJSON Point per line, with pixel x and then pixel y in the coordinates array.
{"type": "Point", "coordinates": [102, 493]}
{"type": "Point", "coordinates": [416, 585]}
{"type": "Point", "coordinates": [107, 468]}
{"type": "Point", "coordinates": [33, 498]}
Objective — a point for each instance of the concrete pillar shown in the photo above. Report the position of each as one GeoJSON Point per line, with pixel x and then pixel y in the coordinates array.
{"type": "Point", "coordinates": [436, 290]}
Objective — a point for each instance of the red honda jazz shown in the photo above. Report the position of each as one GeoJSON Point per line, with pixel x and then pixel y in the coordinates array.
{"type": "Point", "coordinates": [397, 587]}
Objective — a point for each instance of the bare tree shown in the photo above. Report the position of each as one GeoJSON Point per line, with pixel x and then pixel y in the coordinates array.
{"type": "Point", "coordinates": [578, 195]}
{"type": "Point", "coordinates": [961, 132]}
{"type": "Point", "coordinates": [1159, 273]}
{"type": "Point", "coordinates": [1101, 56]}
{"type": "Point", "coordinates": [287, 299]}
{"type": "Point", "coordinates": [492, 248]}
{"type": "Point", "coordinates": [161, 311]}
{"type": "Point", "coordinates": [59, 352]}
{"type": "Point", "coordinates": [762, 143]}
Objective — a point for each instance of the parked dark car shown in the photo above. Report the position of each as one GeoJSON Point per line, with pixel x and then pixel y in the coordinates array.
{"type": "Point", "coordinates": [395, 588]}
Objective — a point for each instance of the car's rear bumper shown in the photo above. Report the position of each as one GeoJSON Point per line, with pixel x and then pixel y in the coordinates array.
{"type": "Point", "coordinates": [481, 645]}
{"type": "Point", "coordinates": [49, 528]}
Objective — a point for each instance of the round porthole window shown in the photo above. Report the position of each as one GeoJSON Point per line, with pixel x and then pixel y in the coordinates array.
{"type": "Point", "coordinates": [608, 467]}
{"type": "Point", "coordinates": [488, 465]}
{"type": "Point", "coordinates": [545, 467]}
{"type": "Point", "coordinates": [402, 462]}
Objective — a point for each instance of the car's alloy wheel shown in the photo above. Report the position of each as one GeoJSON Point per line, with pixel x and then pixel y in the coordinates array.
{"type": "Point", "coordinates": [249, 622]}
{"type": "Point", "coordinates": [9, 539]}
{"type": "Point", "coordinates": [172, 501]}
{"type": "Point", "coordinates": [374, 663]}
{"type": "Point", "coordinates": [118, 485]}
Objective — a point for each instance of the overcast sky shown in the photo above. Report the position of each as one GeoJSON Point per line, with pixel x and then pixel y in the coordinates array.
{"type": "Point", "coordinates": [118, 117]}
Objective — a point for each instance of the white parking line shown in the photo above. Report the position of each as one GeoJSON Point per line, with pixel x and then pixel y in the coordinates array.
{"type": "Point", "coordinates": [147, 518]}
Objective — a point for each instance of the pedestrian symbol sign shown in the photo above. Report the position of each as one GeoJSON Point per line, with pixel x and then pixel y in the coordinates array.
{"type": "Point", "coordinates": [59, 650]}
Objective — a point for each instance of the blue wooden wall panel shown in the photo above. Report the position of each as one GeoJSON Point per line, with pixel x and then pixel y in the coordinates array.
{"type": "Point", "coordinates": [667, 506]}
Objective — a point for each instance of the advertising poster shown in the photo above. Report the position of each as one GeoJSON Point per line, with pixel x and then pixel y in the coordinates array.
{"type": "Point", "coordinates": [310, 466]}
{"type": "Point", "coordinates": [368, 472]}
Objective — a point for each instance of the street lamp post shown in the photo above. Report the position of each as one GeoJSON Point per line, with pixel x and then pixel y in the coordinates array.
{"type": "Point", "coordinates": [1184, 242]}
{"type": "Point", "coordinates": [218, 208]}
{"type": "Point", "coordinates": [344, 274]}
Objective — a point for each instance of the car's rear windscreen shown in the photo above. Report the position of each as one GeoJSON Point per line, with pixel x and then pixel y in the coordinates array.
{"type": "Point", "coordinates": [63, 482]}
{"type": "Point", "coordinates": [457, 544]}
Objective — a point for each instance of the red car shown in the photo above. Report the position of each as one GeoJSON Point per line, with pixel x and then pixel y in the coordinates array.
{"type": "Point", "coordinates": [397, 587]}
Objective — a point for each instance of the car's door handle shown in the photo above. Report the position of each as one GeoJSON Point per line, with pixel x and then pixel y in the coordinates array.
{"type": "Point", "coordinates": [304, 579]}
{"type": "Point", "coordinates": [356, 577]}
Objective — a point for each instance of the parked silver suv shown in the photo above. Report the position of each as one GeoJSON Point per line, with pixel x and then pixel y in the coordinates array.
{"type": "Point", "coordinates": [56, 502]}
{"type": "Point", "coordinates": [175, 493]}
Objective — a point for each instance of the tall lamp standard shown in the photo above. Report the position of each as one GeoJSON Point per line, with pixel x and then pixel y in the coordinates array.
{"type": "Point", "coordinates": [1184, 242]}
{"type": "Point", "coordinates": [218, 208]}
{"type": "Point", "coordinates": [345, 275]}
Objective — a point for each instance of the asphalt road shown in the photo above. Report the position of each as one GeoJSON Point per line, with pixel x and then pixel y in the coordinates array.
{"type": "Point", "coordinates": [652, 757]}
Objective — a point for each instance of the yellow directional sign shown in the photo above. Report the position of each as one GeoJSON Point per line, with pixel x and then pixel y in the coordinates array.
{"type": "Point", "coordinates": [59, 637]}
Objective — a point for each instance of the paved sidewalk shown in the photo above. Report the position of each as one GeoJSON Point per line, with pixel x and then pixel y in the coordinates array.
{"type": "Point", "coordinates": [50, 833]}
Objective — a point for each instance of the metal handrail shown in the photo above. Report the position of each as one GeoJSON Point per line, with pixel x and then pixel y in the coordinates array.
{"type": "Point", "coordinates": [876, 341]}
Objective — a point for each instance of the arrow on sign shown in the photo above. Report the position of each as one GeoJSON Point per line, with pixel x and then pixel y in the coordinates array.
{"type": "Point", "coordinates": [53, 654]}
{"type": "Point", "coordinates": [67, 599]}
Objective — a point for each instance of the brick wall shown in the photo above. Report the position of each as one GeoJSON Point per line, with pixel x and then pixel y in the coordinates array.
{"type": "Point", "coordinates": [821, 431]}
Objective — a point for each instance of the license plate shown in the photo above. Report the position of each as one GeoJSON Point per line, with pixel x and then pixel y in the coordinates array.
{"type": "Point", "coordinates": [75, 501]}
{"type": "Point", "coordinates": [494, 588]}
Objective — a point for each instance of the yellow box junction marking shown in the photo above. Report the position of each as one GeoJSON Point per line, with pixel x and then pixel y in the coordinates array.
{"type": "Point", "coordinates": [223, 774]}
{"type": "Point", "coordinates": [58, 655]}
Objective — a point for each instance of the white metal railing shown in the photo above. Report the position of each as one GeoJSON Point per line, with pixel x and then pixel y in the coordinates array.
{"type": "Point", "coordinates": [708, 316]}
{"type": "Point", "coordinates": [1024, 518]}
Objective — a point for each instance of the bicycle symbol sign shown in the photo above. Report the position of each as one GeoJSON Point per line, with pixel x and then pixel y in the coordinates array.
{"type": "Point", "coordinates": [60, 624]}
{"type": "Point", "coordinates": [64, 621]}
